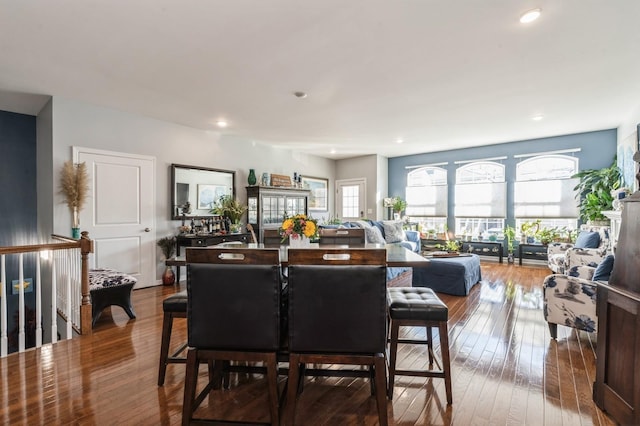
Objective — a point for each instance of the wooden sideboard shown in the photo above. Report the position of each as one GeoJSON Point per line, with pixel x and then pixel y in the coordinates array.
{"type": "Point", "coordinates": [617, 386]}
{"type": "Point", "coordinates": [208, 240]}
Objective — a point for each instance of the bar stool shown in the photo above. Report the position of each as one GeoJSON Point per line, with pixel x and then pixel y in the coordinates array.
{"type": "Point", "coordinates": [174, 306]}
{"type": "Point", "coordinates": [418, 307]}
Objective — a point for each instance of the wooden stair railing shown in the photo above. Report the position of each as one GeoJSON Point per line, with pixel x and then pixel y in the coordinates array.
{"type": "Point", "coordinates": [85, 246]}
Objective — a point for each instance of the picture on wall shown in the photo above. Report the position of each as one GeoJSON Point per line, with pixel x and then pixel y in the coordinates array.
{"type": "Point", "coordinates": [209, 194]}
{"type": "Point", "coordinates": [319, 197]}
{"type": "Point", "coordinates": [27, 284]}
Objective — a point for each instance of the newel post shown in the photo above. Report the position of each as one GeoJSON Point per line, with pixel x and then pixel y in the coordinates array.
{"type": "Point", "coordinates": [86, 247]}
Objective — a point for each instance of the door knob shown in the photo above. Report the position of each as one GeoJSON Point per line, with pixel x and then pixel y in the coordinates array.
{"type": "Point", "coordinates": [147, 229]}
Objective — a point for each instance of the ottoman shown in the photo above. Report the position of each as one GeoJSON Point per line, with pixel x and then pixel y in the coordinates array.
{"type": "Point", "coordinates": [109, 287]}
{"type": "Point", "coordinates": [449, 275]}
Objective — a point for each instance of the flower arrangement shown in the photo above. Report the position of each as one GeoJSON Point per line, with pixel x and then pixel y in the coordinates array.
{"type": "Point", "coordinates": [74, 186]}
{"type": "Point", "coordinates": [167, 245]}
{"type": "Point", "coordinates": [298, 226]}
{"type": "Point", "coordinates": [229, 207]}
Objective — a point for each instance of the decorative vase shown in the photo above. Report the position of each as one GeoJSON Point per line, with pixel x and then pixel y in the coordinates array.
{"type": "Point", "coordinates": [235, 228]}
{"type": "Point", "coordinates": [252, 177]}
{"type": "Point", "coordinates": [168, 277]}
{"type": "Point", "coordinates": [75, 228]}
{"type": "Point", "coordinates": [510, 258]}
{"type": "Point", "coordinates": [299, 241]}
{"type": "Point", "coordinates": [75, 233]}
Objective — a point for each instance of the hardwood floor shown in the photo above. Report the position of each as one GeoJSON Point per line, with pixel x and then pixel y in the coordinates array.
{"type": "Point", "coordinates": [506, 371]}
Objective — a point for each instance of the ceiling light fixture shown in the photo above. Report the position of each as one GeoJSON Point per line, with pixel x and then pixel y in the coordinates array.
{"type": "Point", "coordinates": [300, 95]}
{"type": "Point", "coordinates": [399, 140]}
{"type": "Point", "coordinates": [537, 117]}
{"type": "Point", "coordinates": [530, 16]}
{"type": "Point", "coordinates": [221, 123]}
{"type": "Point", "coordinates": [333, 151]}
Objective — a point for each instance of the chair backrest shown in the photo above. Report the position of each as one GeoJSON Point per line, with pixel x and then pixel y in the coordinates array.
{"type": "Point", "coordinates": [337, 300]}
{"type": "Point", "coordinates": [347, 236]}
{"type": "Point", "coordinates": [605, 240]}
{"type": "Point", "coordinates": [272, 237]}
{"type": "Point", "coordinates": [233, 298]}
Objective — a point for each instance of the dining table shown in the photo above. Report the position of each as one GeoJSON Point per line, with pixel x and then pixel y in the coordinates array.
{"type": "Point", "coordinates": [397, 256]}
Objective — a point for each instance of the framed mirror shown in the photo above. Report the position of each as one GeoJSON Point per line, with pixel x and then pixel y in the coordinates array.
{"type": "Point", "coordinates": [194, 190]}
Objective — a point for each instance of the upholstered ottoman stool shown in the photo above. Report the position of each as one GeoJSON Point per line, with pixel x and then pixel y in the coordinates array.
{"type": "Point", "coordinates": [174, 306]}
{"type": "Point", "coordinates": [449, 275]}
{"type": "Point", "coordinates": [109, 287]}
{"type": "Point", "coordinates": [418, 307]}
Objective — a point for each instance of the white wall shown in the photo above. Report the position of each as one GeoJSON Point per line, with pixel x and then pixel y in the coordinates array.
{"type": "Point", "coordinates": [367, 167]}
{"type": "Point", "coordinates": [80, 124]}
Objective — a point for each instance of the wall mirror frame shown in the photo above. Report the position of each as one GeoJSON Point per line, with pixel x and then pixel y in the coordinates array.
{"type": "Point", "coordinates": [201, 187]}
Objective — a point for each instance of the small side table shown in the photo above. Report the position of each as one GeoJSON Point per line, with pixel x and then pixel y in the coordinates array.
{"type": "Point", "coordinates": [531, 251]}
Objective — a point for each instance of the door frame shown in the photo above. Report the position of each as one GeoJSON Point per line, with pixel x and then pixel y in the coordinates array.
{"type": "Point", "coordinates": [346, 182]}
{"type": "Point", "coordinates": [77, 150]}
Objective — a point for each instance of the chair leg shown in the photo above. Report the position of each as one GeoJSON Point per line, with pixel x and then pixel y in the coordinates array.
{"type": "Point", "coordinates": [272, 380]}
{"type": "Point", "coordinates": [430, 345]}
{"type": "Point", "coordinates": [393, 350]}
{"type": "Point", "coordinates": [446, 361]}
{"type": "Point", "coordinates": [167, 324]}
{"type": "Point", "coordinates": [292, 389]}
{"type": "Point", "coordinates": [190, 382]}
{"type": "Point", "coordinates": [380, 369]}
{"type": "Point", "coordinates": [553, 329]}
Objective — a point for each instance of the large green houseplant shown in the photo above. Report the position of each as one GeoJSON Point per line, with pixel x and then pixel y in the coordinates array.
{"type": "Point", "coordinates": [593, 192]}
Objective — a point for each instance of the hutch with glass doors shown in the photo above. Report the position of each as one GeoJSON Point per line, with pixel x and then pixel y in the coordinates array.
{"type": "Point", "coordinates": [268, 205]}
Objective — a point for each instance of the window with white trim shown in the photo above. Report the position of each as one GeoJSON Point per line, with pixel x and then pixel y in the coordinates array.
{"type": "Point", "coordinates": [544, 190]}
{"type": "Point", "coordinates": [480, 205]}
{"type": "Point", "coordinates": [426, 195]}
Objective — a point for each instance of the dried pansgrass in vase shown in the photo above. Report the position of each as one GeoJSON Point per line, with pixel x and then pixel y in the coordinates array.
{"type": "Point", "coordinates": [74, 185]}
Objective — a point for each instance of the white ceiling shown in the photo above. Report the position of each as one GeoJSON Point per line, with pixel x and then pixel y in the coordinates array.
{"type": "Point", "coordinates": [439, 74]}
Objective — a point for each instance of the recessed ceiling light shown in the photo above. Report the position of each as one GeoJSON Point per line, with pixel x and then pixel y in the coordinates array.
{"type": "Point", "coordinates": [399, 140]}
{"type": "Point", "coordinates": [530, 16]}
{"type": "Point", "coordinates": [300, 95]}
{"type": "Point", "coordinates": [537, 117]}
{"type": "Point", "coordinates": [333, 151]}
{"type": "Point", "coordinates": [221, 123]}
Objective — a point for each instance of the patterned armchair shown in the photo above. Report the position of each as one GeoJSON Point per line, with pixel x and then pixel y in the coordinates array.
{"type": "Point", "coordinates": [564, 256]}
{"type": "Point", "coordinates": [570, 300]}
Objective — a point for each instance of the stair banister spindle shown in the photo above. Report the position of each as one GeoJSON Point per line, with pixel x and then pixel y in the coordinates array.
{"type": "Point", "coordinates": [21, 335]}
{"type": "Point", "coordinates": [54, 300]}
{"type": "Point", "coordinates": [4, 342]}
{"type": "Point", "coordinates": [38, 303]}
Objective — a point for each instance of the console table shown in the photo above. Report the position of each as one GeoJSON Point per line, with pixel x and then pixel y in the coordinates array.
{"type": "Point", "coordinates": [483, 248]}
{"type": "Point", "coordinates": [531, 251]}
{"type": "Point", "coordinates": [208, 240]}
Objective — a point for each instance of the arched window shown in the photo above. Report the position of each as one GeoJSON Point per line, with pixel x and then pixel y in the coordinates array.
{"type": "Point", "coordinates": [426, 195]}
{"type": "Point", "coordinates": [544, 190]}
{"type": "Point", "coordinates": [480, 199]}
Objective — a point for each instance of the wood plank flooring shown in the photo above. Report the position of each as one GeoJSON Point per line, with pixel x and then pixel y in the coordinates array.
{"type": "Point", "coordinates": [506, 371]}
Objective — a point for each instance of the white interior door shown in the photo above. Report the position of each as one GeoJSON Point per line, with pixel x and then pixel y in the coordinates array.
{"type": "Point", "coordinates": [350, 199]}
{"type": "Point", "coordinates": [120, 213]}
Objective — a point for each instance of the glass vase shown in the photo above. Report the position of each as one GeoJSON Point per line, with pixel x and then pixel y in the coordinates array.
{"type": "Point", "coordinates": [168, 276]}
{"type": "Point", "coordinates": [252, 177]}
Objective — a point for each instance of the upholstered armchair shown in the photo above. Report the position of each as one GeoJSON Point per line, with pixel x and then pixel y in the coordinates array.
{"type": "Point", "coordinates": [570, 299]}
{"type": "Point", "coordinates": [591, 247]}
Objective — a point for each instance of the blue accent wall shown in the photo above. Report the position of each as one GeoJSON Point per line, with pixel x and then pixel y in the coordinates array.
{"type": "Point", "coordinates": [18, 206]}
{"type": "Point", "coordinates": [597, 150]}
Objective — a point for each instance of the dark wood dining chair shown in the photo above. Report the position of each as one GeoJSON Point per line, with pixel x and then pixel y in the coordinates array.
{"type": "Point", "coordinates": [337, 315]}
{"type": "Point", "coordinates": [352, 237]}
{"type": "Point", "coordinates": [272, 238]}
{"type": "Point", "coordinates": [233, 314]}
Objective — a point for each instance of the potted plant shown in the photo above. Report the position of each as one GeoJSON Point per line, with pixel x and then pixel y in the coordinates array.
{"type": "Point", "coordinates": [548, 235]}
{"type": "Point", "coordinates": [399, 205]}
{"type": "Point", "coordinates": [168, 246]}
{"type": "Point", "coordinates": [529, 230]}
{"type": "Point", "coordinates": [594, 191]}
{"type": "Point", "coordinates": [510, 235]}
{"type": "Point", "coordinates": [232, 209]}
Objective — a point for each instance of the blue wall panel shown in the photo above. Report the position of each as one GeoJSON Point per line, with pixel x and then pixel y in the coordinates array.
{"type": "Point", "coordinates": [18, 214]}
{"type": "Point", "coordinates": [597, 150]}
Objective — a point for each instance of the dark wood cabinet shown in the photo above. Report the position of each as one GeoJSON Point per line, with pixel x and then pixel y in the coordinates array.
{"type": "Point", "coordinates": [268, 205]}
{"type": "Point", "coordinates": [617, 386]}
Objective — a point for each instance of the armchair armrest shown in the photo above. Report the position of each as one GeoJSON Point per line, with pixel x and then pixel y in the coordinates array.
{"type": "Point", "coordinates": [570, 301]}
{"type": "Point", "coordinates": [557, 248]}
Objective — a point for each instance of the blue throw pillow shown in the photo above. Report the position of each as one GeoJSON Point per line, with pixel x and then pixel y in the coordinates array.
{"type": "Point", "coordinates": [587, 240]}
{"type": "Point", "coordinates": [603, 271]}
